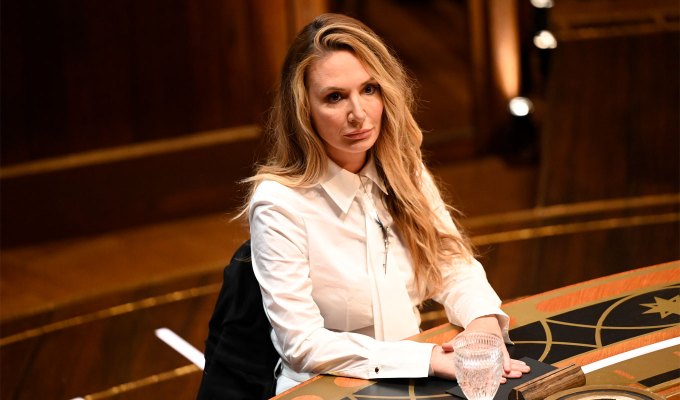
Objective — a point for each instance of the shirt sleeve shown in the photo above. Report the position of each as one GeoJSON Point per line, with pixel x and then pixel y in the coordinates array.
{"type": "Point", "coordinates": [280, 261]}
{"type": "Point", "coordinates": [466, 293]}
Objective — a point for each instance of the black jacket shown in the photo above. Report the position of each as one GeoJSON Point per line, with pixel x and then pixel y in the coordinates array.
{"type": "Point", "coordinates": [239, 355]}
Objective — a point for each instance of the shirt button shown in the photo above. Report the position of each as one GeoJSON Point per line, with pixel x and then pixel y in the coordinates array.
{"type": "Point", "coordinates": [377, 369]}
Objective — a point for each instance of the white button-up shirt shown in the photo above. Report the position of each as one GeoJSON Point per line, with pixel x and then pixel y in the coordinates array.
{"type": "Point", "coordinates": [311, 250]}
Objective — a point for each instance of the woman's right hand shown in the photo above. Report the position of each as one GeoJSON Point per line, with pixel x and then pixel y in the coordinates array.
{"type": "Point", "coordinates": [441, 362]}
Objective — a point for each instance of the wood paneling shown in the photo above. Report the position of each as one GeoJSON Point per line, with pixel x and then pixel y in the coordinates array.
{"type": "Point", "coordinates": [584, 20]}
{"type": "Point", "coordinates": [48, 277]}
{"type": "Point", "coordinates": [116, 194]}
{"type": "Point", "coordinates": [611, 130]}
{"type": "Point", "coordinates": [81, 75]}
{"type": "Point", "coordinates": [96, 355]}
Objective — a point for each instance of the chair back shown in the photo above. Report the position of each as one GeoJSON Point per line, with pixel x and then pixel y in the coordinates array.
{"type": "Point", "coordinates": [239, 355]}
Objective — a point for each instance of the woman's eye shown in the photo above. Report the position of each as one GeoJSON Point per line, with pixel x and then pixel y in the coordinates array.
{"type": "Point", "coordinates": [334, 97]}
{"type": "Point", "coordinates": [371, 89]}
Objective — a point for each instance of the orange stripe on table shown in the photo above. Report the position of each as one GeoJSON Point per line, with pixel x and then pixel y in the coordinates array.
{"type": "Point", "coordinates": [588, 295]}
{"type": "Point", "coordinates": [342, 381]}
{"type": "Point", "coordinates": [624, 374]}
{"type": "Point", "coordinates": [297, 387]}
{"type": "Point", "coordinates": [620, 347]}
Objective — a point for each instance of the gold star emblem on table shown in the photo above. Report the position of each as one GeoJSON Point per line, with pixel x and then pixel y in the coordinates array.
{"type": "Point", "coordinates": [664, 307]}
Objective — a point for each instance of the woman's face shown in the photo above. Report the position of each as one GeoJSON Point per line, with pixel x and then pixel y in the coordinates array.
{"type": "Point", "coordinates": [346, 107]}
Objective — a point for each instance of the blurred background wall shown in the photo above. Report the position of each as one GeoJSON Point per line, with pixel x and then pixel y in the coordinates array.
{"type": "Point", "coordinates": [127, 124]}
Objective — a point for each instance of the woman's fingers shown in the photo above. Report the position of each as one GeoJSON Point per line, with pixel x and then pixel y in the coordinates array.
{"type": "Point", "coordinates": [517, 368]}
{"type": "Point", "coordinates": [519, 365]}
{"type": "Point", "coordinates": [507, 362]}
{"type": "Point", "coordinates": [513, 374]}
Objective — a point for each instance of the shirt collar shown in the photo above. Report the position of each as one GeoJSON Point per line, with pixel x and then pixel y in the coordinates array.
{"type": "Point", "coordinates": [342, 185]}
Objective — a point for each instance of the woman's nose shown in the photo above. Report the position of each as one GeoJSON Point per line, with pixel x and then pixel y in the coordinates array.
{"type": "Point", "coordinates": [356, 113]}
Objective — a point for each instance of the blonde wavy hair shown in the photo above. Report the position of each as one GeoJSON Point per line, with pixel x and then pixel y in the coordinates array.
{"type": "Point", "coordinates": [297, 156]}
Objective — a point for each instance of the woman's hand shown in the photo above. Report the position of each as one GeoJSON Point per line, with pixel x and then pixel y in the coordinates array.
{"type": "Point", "coordinates": [441, 362]}
{"type": "Point", "coordinates": [442, 356]}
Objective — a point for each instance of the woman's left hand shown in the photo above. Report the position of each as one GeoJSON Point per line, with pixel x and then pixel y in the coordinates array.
{"type": "Point", "coordinates": [511, 368]}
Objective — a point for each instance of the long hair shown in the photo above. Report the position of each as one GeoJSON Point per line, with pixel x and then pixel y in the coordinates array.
{"type": "Point", "coordinates": [297, 156]}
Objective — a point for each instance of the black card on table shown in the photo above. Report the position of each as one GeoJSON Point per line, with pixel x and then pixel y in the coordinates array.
{"type": "Point", "coordinates": [537, 369]}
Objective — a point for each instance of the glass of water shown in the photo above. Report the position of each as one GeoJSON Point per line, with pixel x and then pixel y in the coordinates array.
{"type": "Point", "coordinates": [478, 363]}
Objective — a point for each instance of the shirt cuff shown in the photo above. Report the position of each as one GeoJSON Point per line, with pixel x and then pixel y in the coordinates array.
{"type": "Point", "coordinates": [400, 360]}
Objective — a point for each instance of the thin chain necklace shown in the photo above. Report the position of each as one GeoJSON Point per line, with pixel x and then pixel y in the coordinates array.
{"type": "Point", "coordinates": [376, 217]}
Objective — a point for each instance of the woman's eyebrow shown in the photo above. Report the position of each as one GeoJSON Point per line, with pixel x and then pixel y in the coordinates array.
{"type": "Point", "coordinates": [332, 89]}
{"type": "Point", "coordinates": [340, 89]}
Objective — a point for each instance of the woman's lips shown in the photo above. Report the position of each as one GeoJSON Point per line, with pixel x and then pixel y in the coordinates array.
{"type": "Point", "coordinates": [360, 134]}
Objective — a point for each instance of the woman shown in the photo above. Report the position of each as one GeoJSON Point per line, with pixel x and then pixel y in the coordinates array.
{"type": "Point", "coordinates": [348, 231]}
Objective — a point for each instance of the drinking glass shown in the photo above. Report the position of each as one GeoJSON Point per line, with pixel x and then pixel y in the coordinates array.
{"type": "Point", "coordinates": [478, 363]}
